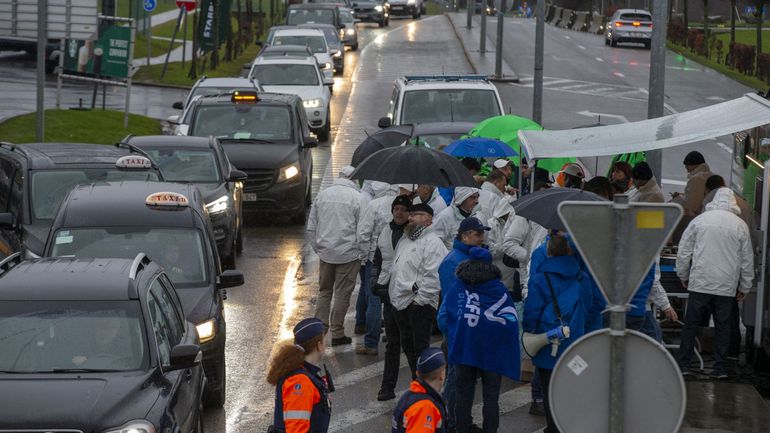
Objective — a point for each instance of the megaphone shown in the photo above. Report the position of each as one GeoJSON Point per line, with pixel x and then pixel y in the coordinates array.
{"type": "Point", "coordinates": [532, 343]}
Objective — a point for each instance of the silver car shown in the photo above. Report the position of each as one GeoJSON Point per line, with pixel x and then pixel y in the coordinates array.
{"type": "Point", "coordinates": [629, 25]}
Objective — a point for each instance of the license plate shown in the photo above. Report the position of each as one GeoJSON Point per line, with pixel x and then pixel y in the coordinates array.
{"type": "Point", "coordinates": [637, 35]}
{"type": "Point", "coordinates": [361, 15]}
{"type": "Point", "coordinates": [249, 196]}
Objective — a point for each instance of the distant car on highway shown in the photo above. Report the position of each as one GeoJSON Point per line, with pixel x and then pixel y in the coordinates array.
{"type": "Point", "coordinates": [334, 42]}
{"type": "Point", "coordinates": [372, 11]}
{"type": "Point", "coordinates": [415, 8]}
{"type": "Point", "coordinates": [312, 38]}
{"type": "Point", "coordinates": [314, 13]}
{"type": "Point", "coordinates": [629, 25]}
{"type": "Point", "coordinates": [349, 34]}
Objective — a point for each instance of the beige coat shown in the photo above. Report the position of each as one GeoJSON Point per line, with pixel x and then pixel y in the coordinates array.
{"type": "Point", "coordinates": [695, 190]}
{"type": "Point", "coordinates": [648, 193]}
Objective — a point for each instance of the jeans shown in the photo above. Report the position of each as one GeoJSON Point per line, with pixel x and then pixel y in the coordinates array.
{"type": "Point", "coordinates": [545, 379]}
{"type": "Point", "coordinates": [735, 330]}
{"type": "Point", "coordinates": [363, 294]}
{"type": "Point", "coordinates": [537, 390]}
{"type": "Point", "coordinates": [450, 395]}
{"type": "Point", "coordinates": [415, 324]}
{"type": "Point", "coordinates": [392, 348]}
{"type": "Point", "coordinates": [699, 305]}
{"type": "Point", "coordinates": [651, 327]}
{"type": "Point", "coordinates": [373, 312]}
{"type": "Point", "coordinates": [490, 389]}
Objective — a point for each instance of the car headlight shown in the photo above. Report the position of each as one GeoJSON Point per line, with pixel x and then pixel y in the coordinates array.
{"type": "Point", "coordinates": [338, 54]}
{"type": "Point", "coordinates": [378, 8]}
{"type": "Point", "coordinates": [219, 205]}
{"type": "Point", "coordinates": [410, 2]}
{"type": "Point", "coordinates": [289, 172]}
{"type": "Point", "coordinates": [135, 426]}
{"type": "Point", "coordinates": [352, 32]}
{"type": "Point", "coordinates": [206, 331]}
{"type": "Point", "coordinates": [326, 66]}
{"type": "Point", "coordinates": [312, 103]}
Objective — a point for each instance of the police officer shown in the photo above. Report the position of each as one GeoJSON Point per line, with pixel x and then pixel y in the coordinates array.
{"type": "Point", "coordinates": [302, 389]}
{"type": "Point", "coordinates": [421, 408]}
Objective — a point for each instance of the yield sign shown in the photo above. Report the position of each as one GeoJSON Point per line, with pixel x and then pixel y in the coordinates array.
{"type": "Point", "coordinates": [619, 241]}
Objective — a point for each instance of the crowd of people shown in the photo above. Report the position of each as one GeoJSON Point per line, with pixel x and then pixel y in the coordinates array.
{"type": "Point", "coordinates": [460, 263]}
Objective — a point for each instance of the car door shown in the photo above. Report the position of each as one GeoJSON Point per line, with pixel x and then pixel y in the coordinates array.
{"type": "Point", "coordinates": [11, 205]}
{"type": "Point", "coordinates": [302, 131]}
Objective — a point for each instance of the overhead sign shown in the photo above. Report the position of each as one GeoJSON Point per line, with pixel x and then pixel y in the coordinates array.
{"type": "Point", "coordinates": [108, 56]}
{"type": "Point", "coordinates": [645, 228]}
{"type": "Point", "coordinates": [67, 19]}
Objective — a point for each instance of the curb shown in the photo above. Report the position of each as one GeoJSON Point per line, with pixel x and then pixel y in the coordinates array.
{"type": "Point", "coordinates": [160, 85]}
{"type": "Point", "coordinates": [462, 44]}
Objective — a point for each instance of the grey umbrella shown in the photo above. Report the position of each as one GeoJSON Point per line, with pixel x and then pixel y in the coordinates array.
{"type": "Point", "coordinates": [542, 206]}
{"type": "Point", "coordinates": [382, 139]}
{"type": "Point", "coordinates": [414, 164]}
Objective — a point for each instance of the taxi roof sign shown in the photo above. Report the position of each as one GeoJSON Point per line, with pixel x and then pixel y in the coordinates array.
{"type": "Point", "coordinates": [167, 200]}
{"type": "Point", "coordinates": [133, 162]}
{"type": "Point", "coordinates": [244, 96]}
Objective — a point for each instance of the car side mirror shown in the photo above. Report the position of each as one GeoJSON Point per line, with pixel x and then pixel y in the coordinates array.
{"type": "Point", "coordinates": [246, 70]}
{"type": "Point", "coordinates": [230, 278]}
{"type": "Point", "coordinates": [237, 175]}
{"type": "Point", "coordinates": [328, 82]}
{"type": "Point", "coordinates": [384, 122]}
{"type": "Point", "coordinates": [335, 52]}
{"type": "Point", "coordinates": [309, 142]}
{"type": "Point", "coordinates": [179, 105]}
{"type": "Point", "coordinates": [185, 356]}
{"type": "Point", "coordinates": [259, 43]}
{"type": "Point", "coordinates": [6, 220]}
{"type": "Point", "coordinates": [355, 5]}
{"type": "Point", "coordinates": [173, 120]}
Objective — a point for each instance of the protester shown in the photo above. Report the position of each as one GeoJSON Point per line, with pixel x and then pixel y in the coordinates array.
{"type": "Point", "coordinates": [541, 175]}
{"type": "Point", "coordinates": [486, 342]}
{"type": "Point", "coordinates": [600, 186]}
{"type": "Point", "coordinates": [429, 195]}
{"type": "Point", "coordinates": [492, 191]}
{"type": "Point", "coordinates": [332, 226]}
{"type": "Point", "coordinates": [556, 280]}
{"type": "Point", "coordinates": [301, 387]}
{"type": "Point", "coordinates": [572, 176]}
{"type": "Point", "coordinates": [695, 190]}
{"type": "Point", "coordinates": [714, 259]}
{"type": "Point", "coordinates": [420, 409]}
{"type": "Point", "coordinates": [473, 166]}
{"type": "Point", "coordinates": [387, 242]}
{"type": "Point", "coordinates": [647, 189]}
{"type": "Point", "coordinates": [464, 205]}
{"type": "Point", "coordinates": [414, 287]}
{"type": "Point", "coordinates": [620, 176]}
{"type": "Point", "coordinates": [495, 238]}
{"type": "Point", "coordinates": [470, 234]}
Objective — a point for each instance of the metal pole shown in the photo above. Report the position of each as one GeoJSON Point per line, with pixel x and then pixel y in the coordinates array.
{"type": "Point", "coordinates": [184, 38]}
{"type": "Point", "coordinates": [499, 45]}
{"type": "Point", "coordinates": [42, 38]}
{"type": "Point", "coordinates": [483, 39]}
{"type": "Point", "coordinates": [128, 82]}
{"type": "Point", "coordinates": [657, 78]}
{"type": "Point", "coordinates": [58, 74]}
{"type": "Point", "coordinates": [618, 315]}
{"type": "Point", "coordinates": [173, 38]}
{"type": "Point", "coordinates": [470, 7]}
{"type": "Point", "coordinates": [537, 89]}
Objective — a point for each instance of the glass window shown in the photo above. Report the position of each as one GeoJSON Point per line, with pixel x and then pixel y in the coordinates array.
{"type": "Point", "coordinates": [308, 16]}
{"type": "Point", "coordinates": [346, 16]}
{"type": "Point", "coordinates": [242, 121]}
{"type": "Point", "coordinates": [636, 17]}
{"type": "Point", "coordinates": [16, 198]}
{"type": "Point", "coordinates": [317, 44]}
{"type": "Point", "coordinates": [176, 324]}
{"type": "Point", "coordinates": [181, 165]}
{"type": "Point", "coordinates": [452, 105]}
{"type": "Point", "coordinates": [286, 75]}
{"type": "Point", "coordinates": [161, 328]}
{"type": "Point", "coordinates": [50, 187]}
{"type": "Point", "coordinates": [43, 336]}
{"type": "Point", "coordinates": [437, 140]}
{"type": "Point", "coordinates": [7, 173]}
{"type": "Point", "coordinates": [178, 251]}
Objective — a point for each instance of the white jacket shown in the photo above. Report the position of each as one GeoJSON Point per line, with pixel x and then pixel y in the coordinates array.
{"type": "Point", "coordinates": [436, 202]}
{"type": "Point", "coordinates": [489, 197]}
{"type": "Point", "coordinates": [415, 265]}
{"type": "Point", "coordinates": [658, 295]}
{"type": "Point", "coordinates": [495, 244]}
{"type": "Point", "coordinates": [376, 215]}
{"type": "Point", "coordinates": [385, 245]}
{"type": "Point", "coordinates": [333, 222]}
{"type": "Point", "coordinates": [715, 250]}
{"type": "Point", "coordinates": [521, 237]}
{"type": "Point", "coordinates": [445, 225]}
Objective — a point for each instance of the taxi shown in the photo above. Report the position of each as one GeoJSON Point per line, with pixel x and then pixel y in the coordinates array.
{"type": "Point", "coordinates": [168, 222]}
{"type": "Point", "coordinates": [35, 178]}
{"type": "Point", "coordinates": [100, 344]}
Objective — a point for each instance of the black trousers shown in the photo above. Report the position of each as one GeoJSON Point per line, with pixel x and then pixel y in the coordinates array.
{"type": "Point", "coordinates": [545, 379]}
{"type": "Point", "coordinates": [415, 325]}
{"type": "Point", "coordinates": [392, 348]}
{"type": "Point", "coordinates": [490, 390]}
{"type": "Point", "coordinates": [700, 305]}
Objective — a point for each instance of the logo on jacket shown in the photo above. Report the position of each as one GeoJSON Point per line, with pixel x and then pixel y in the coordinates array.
{"type": "Point", "coordinates": [297, 389]}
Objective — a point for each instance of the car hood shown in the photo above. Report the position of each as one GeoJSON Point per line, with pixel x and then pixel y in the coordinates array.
{"type": "Point", "coordinates": [35, 236]}
{"type": "Point", "coordinates": [245, 156]}
{"type": "Point", "coordinates": [305, 92]}
{"type": "Point", "coordinates": [197, 302]}
{"type": "Point", "coordinates": [83, 401]}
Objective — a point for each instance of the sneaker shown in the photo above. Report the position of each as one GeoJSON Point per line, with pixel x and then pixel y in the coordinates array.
{"type": "Point", "coordinates": [385, 394]}
{"type": "Point", "coordinates": [363, 350]}
{"type": "Point", "coordinates": [341, 341]}
{"type": "Point", "coordinates": [537, 408]}
{"type": "Point", "coordinates": [359, 330]}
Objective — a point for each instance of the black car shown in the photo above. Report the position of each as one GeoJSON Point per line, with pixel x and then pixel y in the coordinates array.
{"type": "Point", "coordinates": [35, 178]}
{"type": "Point", "coordinates": [314, 13]}
{"type": "Point", "coordinates": [266, 136]}
{"type": "Point", "coordinates": [168, 222]}
{"type": "Point", "coordinates": [96, 345]}
{"type": "Point", "coordinates": [372, 11]}
{"type": "Point", "coordinates": [202, 162]}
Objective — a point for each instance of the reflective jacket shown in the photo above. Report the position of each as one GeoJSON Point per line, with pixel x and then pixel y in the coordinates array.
{"type": "Point", "coordinates": [302, 402]}
{"type": "Point", "coordinates": [414, 274]}
{"type": "Point", "coordinates": [420, 410]}
{"type": "Point", "coordinates": [333, 223]}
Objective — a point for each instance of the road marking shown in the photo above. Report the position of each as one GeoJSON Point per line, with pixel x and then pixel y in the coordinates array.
{"type": "Point", "coordinates": [581, 47]}
{"type": "Point", "coordinates": [509, 401]}
{"type": "Point", "coordinates": [674, 182]}
{"type": "Point", "coordinates": [587, 113]}
{"type": "Point", "coordinates": [599, 59]}
{"type": "Point", "coordinates": [567, 37]}
{"type": "Point", "coordinates": [716, 98]}
{"type": "Point", "coordinates": [618, 74]}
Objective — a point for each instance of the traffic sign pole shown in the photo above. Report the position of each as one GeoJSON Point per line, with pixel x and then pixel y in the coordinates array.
{"type": "Point", "coordinates": [618, 315]}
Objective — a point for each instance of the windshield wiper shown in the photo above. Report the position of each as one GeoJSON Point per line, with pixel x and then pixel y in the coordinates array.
{"type": "Point", "coordinates": [249, 140]}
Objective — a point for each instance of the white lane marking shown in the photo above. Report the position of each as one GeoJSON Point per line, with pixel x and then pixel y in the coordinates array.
{"type": "Point", "coordinates": [587, 113]}
{"type": "Point", "coordinates": [572, 87]}
{"type": "Point", "coordinates": [567, 37]}
{"type": "Point", "coordinates": [599, 59]}
{"type": "Point", "coordinates": [724, 147]}
{"type": "Point", "coordinates": [581, 47]}
{"type": "Point", "coordinates": [674, 182]}
{"type": "Point", "coordinates": [618, 74]}
{"type": "Point", "coordinates": [716, 98]}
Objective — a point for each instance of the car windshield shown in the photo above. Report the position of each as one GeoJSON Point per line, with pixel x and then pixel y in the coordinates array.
{"type": "Point", "coordinates": [50, 187]}
{"type": "Point", "coordinates": [286, 75]}
{"type": "Point", "coordinates": [437, 140]}
{"type": "Point", "coordinates": [57, 336]}
{"type": "Point", "coordinates": [178, 250]}
{"type": "Point", "coordinates": [332, 37]}
{"type": "Point", "coordinates": [242, 121]}
{"type": "Point", "coordinates": [307, 16]}
{"type": "Point", "coordinates": [452, 105]}
{"type": "Point", "coordinates": [346, 16]}
{"type": "Point", "coordinates": [186, 165]}
{"type": "Point", "coordinates": [315, 43]}
{"type": "Point", "coordinates": [636, 17]}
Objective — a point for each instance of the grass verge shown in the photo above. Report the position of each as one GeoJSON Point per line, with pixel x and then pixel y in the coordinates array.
{"type": "Point", "coordinates": [432, 8]}
{"type": "Point", "coordinates": [159, 47]}
{"type": "Point", "coordinates": [747, 80]}
{"type": "Point", "coordinates": [75, 126]}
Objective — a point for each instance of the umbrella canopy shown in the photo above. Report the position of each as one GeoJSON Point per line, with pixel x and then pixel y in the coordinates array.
{"type": "Point", "coordinates": [382, 139]}
{"type": "Point", "coordinates": [480, 147]}
{"type": "Point", "coordinates": [414, 164]}
{"type": "Point", "coordinates": [542, 206]}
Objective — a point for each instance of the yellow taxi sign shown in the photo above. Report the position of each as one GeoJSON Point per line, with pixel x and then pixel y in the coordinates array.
{"type": "Point", "coordinates": [167, 199]}
{"type": "Point", "coordinates": [244, 96]}
{"type": "Point", "coordinates": [133, 162]}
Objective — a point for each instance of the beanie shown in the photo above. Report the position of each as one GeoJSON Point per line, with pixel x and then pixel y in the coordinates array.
{"type": "Point", "coordinates": [401, 200]}
{"type": "Point", "coordinates": [694, 158]}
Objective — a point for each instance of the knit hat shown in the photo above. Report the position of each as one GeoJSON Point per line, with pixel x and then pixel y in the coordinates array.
{"type": "Point", "coordinates": [480, 254]}
{"type": "Point", "coordinates": [430, 360]}
{"type": "Point", "coordinates": [641, 171]}
{"type": "Point", "coordinates": [694, 158]}
{"type": "Point", "coordinates": [421, 207]}
{"type": "Point", "coordinates": [308, 329]}
{"type": "Point", "coordinates": [346, 171]}
{"type": "Point", "coordinates": [401, 200]}
{"type": "Point", "coordinates": [463, 192]}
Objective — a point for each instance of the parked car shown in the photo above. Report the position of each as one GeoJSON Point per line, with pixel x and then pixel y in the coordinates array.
{"type": "Point", "coordinates": [629, 25]}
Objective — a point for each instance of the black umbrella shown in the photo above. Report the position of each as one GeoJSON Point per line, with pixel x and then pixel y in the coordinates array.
{"type": "Point", "coordinates": [414, 164]}
{"type": "Point", "coordinates": [382, 139]}
{"type": "Point", "coordinates": [542, 206]}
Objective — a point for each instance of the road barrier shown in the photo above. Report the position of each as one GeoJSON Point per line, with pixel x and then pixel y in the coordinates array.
{"type": "Point", "coordinates": [559, 16]}
{"type": "Point", "coordinates": [550, 13]}
{"type": "Point", "coordinates": [597, 25]}
{"type": "Point", "coordinates": [568, 17]}
{"type": "Point", "coordinates": [582, 22]}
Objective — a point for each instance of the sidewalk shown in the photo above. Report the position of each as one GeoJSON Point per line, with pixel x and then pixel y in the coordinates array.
{"type": "Point", "coordinates": [482, 63]}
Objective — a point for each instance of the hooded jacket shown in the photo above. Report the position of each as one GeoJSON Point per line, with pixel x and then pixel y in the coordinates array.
{"type": "Point", "coordinates": [695, 190]}
{"type": "Point", "coordinates": [715, 254]}
{"type": "Point", "coordinates": [495, 238]}
{"type": "Point", "coordinates": [451, 292]}
{"type": "Point", "coordinates": [489, 197]}
{"type": "Point", "coordinates": [521, 238]}
{"type": "Point", "coordinates": [333, 222]}
{"type": "Point", "coordinates": [445, 225]}
{"type": "Point", "coordinates": [375, 216]}
{"type": "Point", "coordinates": [387, 249]}
{"type": "Point", "coordinates": [414, 273]}
{"type": "Point", "coordinates": [436, 202]}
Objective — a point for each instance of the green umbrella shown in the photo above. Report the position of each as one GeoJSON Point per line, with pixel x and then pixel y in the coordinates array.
{"type": "Point", "coordinates": [506, 129]}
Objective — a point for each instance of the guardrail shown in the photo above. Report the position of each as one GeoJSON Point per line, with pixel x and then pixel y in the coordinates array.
{"type": "Point", "coordinates": [580, 21]}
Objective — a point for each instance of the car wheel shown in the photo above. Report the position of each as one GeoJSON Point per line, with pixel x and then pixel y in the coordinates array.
{"type": "Point", "coordinates": [324, 134]}
{"type": "Point", "coordinates": [381, 24]}
{"type": "Point", "coordinates": [216, 397]}
{"type": "Point", "coordinates": [354, 47]}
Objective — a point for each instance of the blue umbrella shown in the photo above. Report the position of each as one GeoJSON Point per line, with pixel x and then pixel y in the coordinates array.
{"type": "Point", "coordinates": [480, 147]}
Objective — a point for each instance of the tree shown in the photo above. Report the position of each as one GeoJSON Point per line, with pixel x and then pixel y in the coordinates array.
{"type": "Point", "coordinates": [706, 26]}
{"type": "Point", "coordinates": [733, 6]}
{"type": "Point", "coordinates": [686, 20]}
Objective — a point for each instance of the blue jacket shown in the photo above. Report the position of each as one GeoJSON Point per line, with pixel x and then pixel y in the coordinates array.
{"type": "Point", "coordinates": [451, 295]}
{"type": "Point", "coordinates": [574, 294]}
